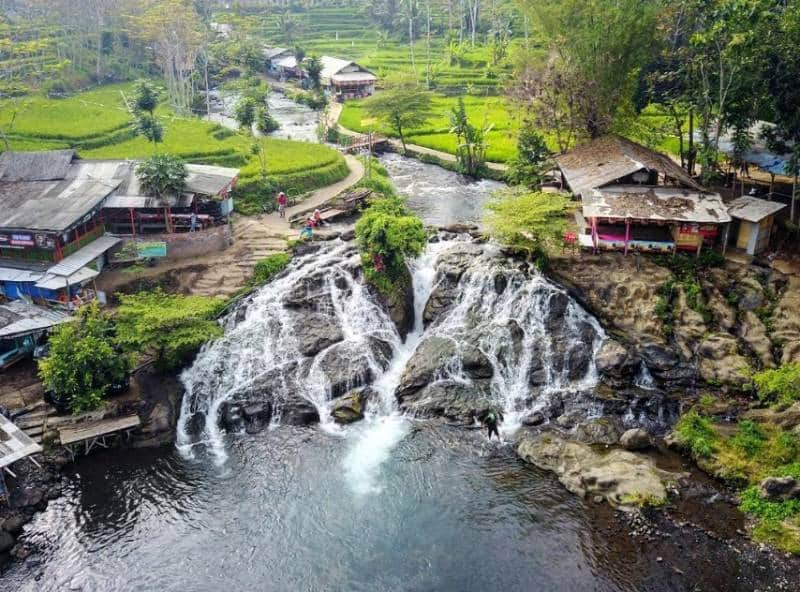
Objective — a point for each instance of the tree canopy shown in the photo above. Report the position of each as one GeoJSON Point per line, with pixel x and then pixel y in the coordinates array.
{"type": "Point", "coordinates": [162, 175]}
{"type": "Point", "coordinates": [531, 221]}
{"type": "Point", "coordinates": [83, 360]}
{"type": "Point", "coordinates": [402, 106]}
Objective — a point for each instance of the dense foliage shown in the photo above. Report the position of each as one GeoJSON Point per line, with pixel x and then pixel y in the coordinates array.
{"type": "Point", "coordinates": [471, 140]}
{"type": "Point", "coordinates": [172, 327]}
{"type": "Point", "coordinates": [533, 158]}
{"type": "Point", "coordinates": [388, 233]}
{"type": "Point", "coordinates": [780, 386]}
{"type": "Point", "coordinates": [527, 220]}
{"type": "Point", "coordinates": [83, 360]}
{"type": "Point", "coordinates": [269, 267]}
{"type": "Point", "coordinates": [162, 175]}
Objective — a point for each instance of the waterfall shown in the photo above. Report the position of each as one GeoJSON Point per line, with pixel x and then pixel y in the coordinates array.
{"type": "Point", "coordinates": [316, 332]}
{"type": "Point", "coordinates": [533, 335]}
{"type": "Point", "coordinates": [264, 349]}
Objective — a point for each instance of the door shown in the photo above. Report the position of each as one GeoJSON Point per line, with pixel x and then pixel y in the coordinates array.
{"type": "Point", "coordinates": [744, 235]}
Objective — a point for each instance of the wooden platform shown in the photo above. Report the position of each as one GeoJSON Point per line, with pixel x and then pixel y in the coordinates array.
{"type": "Point", "coordinates": [14, 443]}
{"type": "Point", "coordinates": [94, 433]}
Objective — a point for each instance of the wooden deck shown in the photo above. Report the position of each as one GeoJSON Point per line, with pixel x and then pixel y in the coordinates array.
{"type": "Point", "coordinates": [94, 433]}
{"type": "Point", "coordinates": [14, 443]}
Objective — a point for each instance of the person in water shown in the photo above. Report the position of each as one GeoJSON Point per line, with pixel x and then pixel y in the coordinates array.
{"type": "Point", "coordinates": [491, 420]}
{"type": "Point", "coordinates": [318, 221]}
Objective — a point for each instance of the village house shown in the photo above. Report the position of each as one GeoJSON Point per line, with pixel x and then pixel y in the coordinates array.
{"type": "Point", "coordinates": [56, 210]}
{"type": "Point", "coordinates": [282, 63]}
{"type": "Point", "coordinates": [634, 198]}
{"type": "Point", "coordinates": [344, 79]}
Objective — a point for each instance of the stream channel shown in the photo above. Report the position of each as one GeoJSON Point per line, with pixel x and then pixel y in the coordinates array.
{"type": "Point", "coordinates": [391, 503]}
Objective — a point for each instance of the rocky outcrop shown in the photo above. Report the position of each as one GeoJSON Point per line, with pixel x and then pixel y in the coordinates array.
{"type": "Point", "coordinates": [623, 291]}
{"type": "Point", "coordinates": [622, 478]}
{"type": "Point", "coordinates": [779, 489]}
{"type": "Point", "coordinates": [346, 366]}
{"type": "Point", "coordinates": [786, 321]}
{"type": "Point", "coordinates": [450, 270]}
{"type": "Point", "coordinates": [636, 439]}
{"type": "Point", "coordinates": [720, 361]}
{"type": "Point", "coordinates": [318, 332]}
{"type": "Point", "coordinates": [616, 365]}
{"type": "Point", "coordinates": [603, 430]}
{"type": "Point", "coordinates": [431, 360]}
{"type": "Point", "coordinates": [399, 304]}
{"type": "Point", "coordinates": [351, 407]}
{"type": "Point", "coordinates": [447, 398]}
{"type": "Point", "coordinates": [754, 334]}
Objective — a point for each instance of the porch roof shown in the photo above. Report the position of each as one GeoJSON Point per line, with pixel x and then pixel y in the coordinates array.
{"type": "Point", "coordinates": [657, 204]}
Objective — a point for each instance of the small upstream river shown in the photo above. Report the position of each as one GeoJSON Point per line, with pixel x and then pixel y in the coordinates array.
{"type": "Point", "coordinates": [439, 196]}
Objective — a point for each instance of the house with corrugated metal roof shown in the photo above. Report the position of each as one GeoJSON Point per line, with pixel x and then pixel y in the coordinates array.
{"type": "Point", "coordinates": [345, 79]}
{"type": "Point", "coordinates": [56, 211]}
{"type": "Point", "coordinates": [633, 197]}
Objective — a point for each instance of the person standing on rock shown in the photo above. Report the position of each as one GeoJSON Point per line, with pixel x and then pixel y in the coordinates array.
{"type": "Point", "coordinates": [491, 420]}
{"type": "Point", "coordinates": [282, 204]}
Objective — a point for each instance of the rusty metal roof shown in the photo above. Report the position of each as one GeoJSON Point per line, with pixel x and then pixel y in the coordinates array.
{"type": "Point", "coordinates": [753, 209]}
{"type": "Point", "coordinates": [606, 160]}
{"type": "Point", "coordinates": [655, 204]}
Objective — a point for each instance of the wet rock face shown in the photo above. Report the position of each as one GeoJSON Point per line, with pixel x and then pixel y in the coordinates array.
{"type": "Point", "coordinates": [446, 291]}
{"type": "Point", "coordinates": [604, 430]}
{"type": "Point", "coordinates": [616, 365]}
{"type": "Point", "coordinates": [624, 479]}
{"type": "Point", "coordinates": [316, 332]}
{"type": "Point", "coordinates": [447, 398]}
{"type": "Point", "coordinates": [351, 407]}
{"type": "Point", "coordinates": [431, 361]}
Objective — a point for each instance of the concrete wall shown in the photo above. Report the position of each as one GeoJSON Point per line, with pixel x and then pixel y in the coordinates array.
{"type": "Point", "coordinates": [187, 245]}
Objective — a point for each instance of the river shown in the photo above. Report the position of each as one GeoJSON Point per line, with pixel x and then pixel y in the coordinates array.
{"type": "Point", "coordinates": [391, 503]}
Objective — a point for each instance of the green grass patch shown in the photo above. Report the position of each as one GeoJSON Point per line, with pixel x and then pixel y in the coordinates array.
{"type": "Point", "coordinates": [269, 267]}
{"type": "Point", "coordinates": [744, 457]}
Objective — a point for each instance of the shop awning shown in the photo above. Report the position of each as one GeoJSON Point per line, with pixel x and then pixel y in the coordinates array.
{"type": "Point", "coordinates": [81, 257]}
{"type": "Point", "coordinates": [56, 282]}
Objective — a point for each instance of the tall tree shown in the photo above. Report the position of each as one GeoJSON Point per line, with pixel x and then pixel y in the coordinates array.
{"type": "Point", "coordinates": [402, 106]}
{"type": "Point", "coordinates": [174, 31]}
{"type": "Point", "coordinates": [596, 51]}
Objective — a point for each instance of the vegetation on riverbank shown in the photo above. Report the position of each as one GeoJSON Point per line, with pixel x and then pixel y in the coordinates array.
{"type": "Point", "coordinates": [388, 234]}
{"type": "Point", "coordinates": [744, 455]}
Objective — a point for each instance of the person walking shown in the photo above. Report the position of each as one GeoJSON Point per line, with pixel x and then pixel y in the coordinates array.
{"type": "Point", "coordinates": [282, 204]}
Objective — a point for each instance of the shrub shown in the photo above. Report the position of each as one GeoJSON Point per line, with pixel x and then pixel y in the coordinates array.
{"type": "Point", "coordinates": [83, 361]}
{"type": "Point", "coordinates": [269, 267]}
{"type": "Point", "coordinates": [388, 233]}
{"type": "Point", "coordinates": [698, 434]}
{"type": "Point", "coordinates": [780, 386]}
{"type": "Point", "coordinates": [171, 326]}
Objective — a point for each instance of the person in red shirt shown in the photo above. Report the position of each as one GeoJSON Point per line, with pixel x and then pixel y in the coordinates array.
{"type": "Point", "coordinates": [282, 204]}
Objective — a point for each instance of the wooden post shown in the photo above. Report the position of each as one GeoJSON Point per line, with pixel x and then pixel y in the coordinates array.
{"type": "Point", "coordinates": [594, 234]}
{"type": "Point", "coordinates": [627, 234]}
{"type": "Point", "coordinates": [133, 224]}
{"type": "Point", "coordinates": [725, 233]}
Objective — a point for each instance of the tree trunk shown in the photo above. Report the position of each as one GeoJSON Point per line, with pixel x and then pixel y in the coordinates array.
{"type": "Point", "coordinates": [411, 41]}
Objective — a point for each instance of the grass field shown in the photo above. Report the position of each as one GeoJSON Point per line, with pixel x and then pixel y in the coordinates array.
{"type": "Point", "coordinates": [435, 134]}
{"type": "Point", "coordinates": [98, 126]}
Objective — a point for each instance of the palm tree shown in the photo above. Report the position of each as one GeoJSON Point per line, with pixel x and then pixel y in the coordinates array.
{"type": "Point", "coordinates": [163, 176]}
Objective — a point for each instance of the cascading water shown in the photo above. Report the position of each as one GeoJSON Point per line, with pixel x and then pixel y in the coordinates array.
{"type": "Point", "coordinates": [316, 316]}
{"type": "Point", "coordinates": [316, 333]}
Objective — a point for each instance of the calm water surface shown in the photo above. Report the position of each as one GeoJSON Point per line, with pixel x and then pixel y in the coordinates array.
{"type": "Point", "coordinates": [450, 512]}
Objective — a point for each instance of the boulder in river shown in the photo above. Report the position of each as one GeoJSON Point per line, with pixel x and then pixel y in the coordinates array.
{"type": "Point", "coordinates": [317, 331]}
{"type": "Point", "coordinates": [624, 479]}
{"type": "Point", "coordinates": [351, 406]}
{"type": "Point", "coordinates": [603, 430]}
{"type": "Point", "coordinates": [636, 439]}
